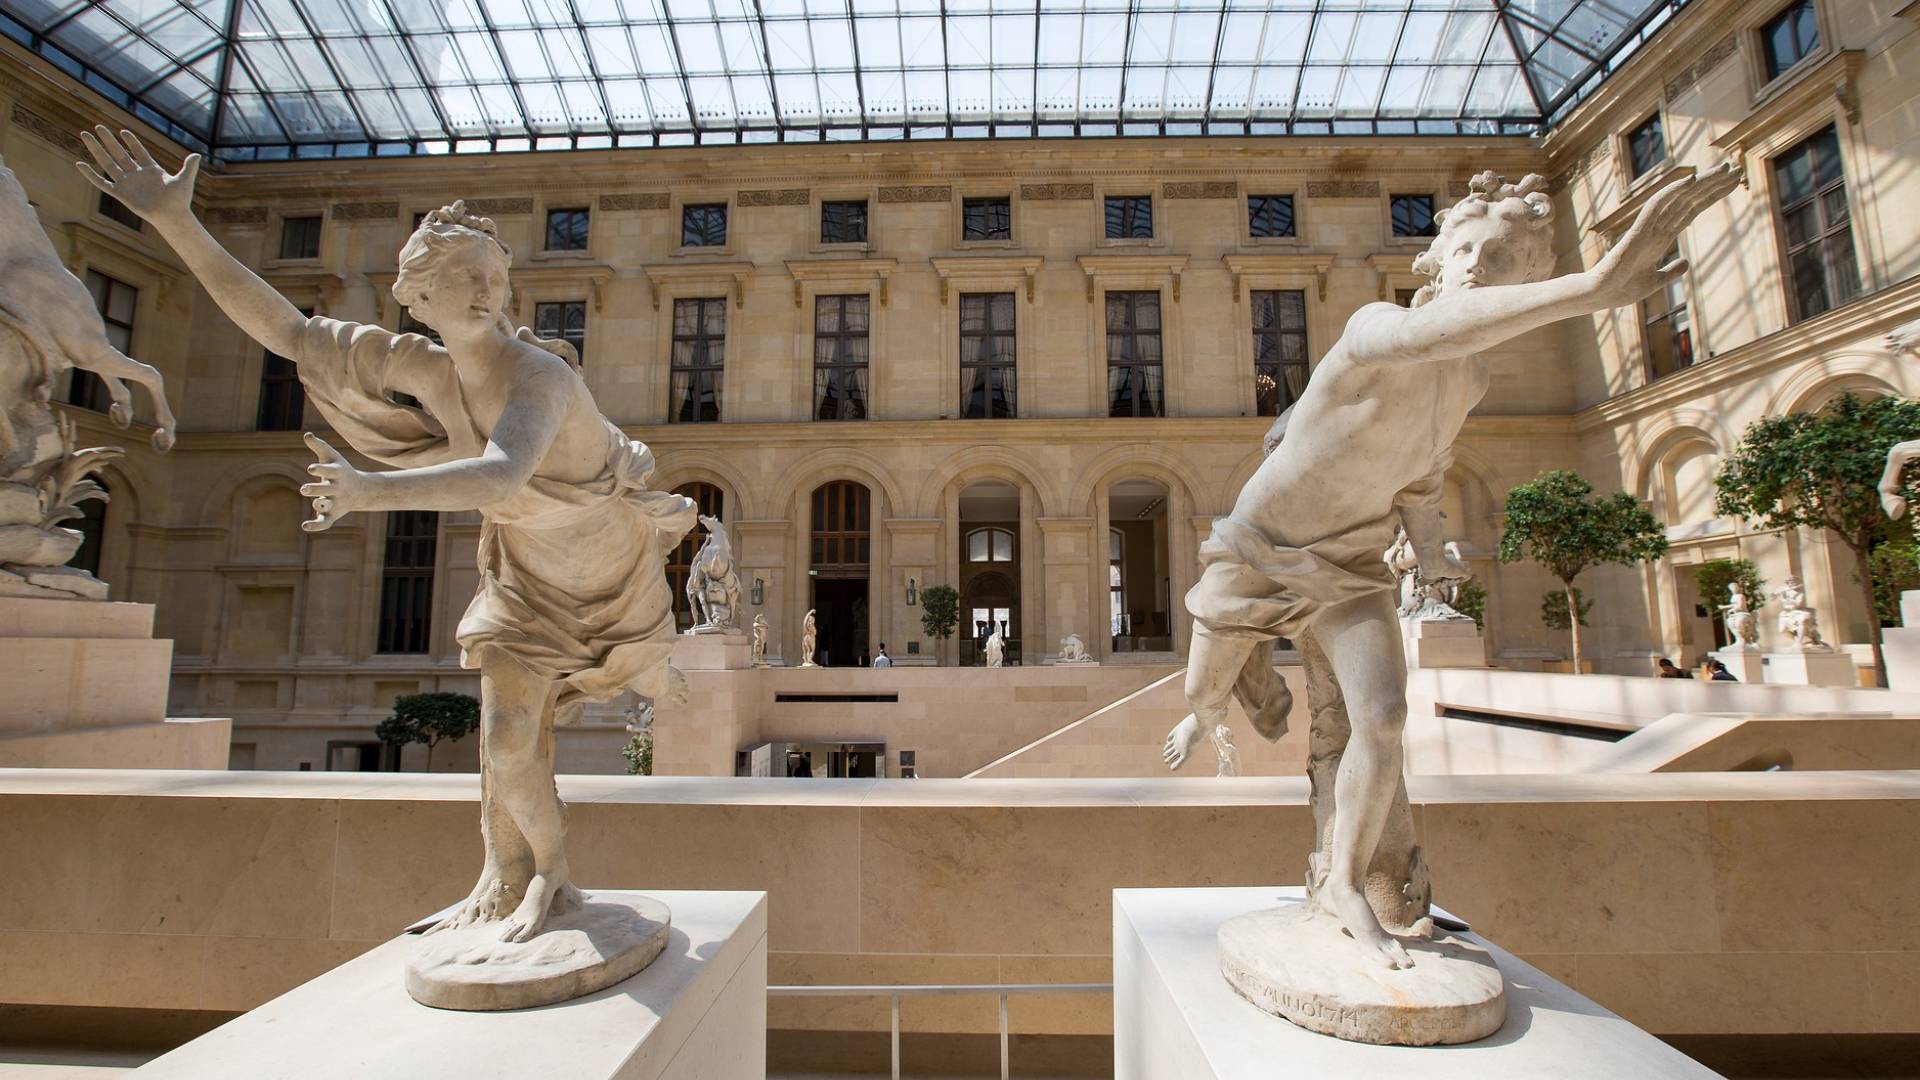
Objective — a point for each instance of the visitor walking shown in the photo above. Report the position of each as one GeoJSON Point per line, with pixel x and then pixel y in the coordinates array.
{"type": "Point", "coordinates": [1721, 674]}
{"type": "Point", "coordinates": [883, 660]}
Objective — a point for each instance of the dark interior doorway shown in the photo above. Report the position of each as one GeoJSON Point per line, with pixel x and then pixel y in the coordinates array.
{"type": "Point", "coordinates": [840, 606]}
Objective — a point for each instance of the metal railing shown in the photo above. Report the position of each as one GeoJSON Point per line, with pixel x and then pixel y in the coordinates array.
{"type": "Point", "coordinates": [895, 992]}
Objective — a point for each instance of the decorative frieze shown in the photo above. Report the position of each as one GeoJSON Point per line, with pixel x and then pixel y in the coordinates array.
{"type": "Point", "coordinates": [48, 130]}
{"type": "Point", "coordinates": [234, 215]}
{"type": "Point", "coordinates": [636, 200]}
{"type": "Point", "coordinates": [1697, 70]}
{"type": "Point", "coordinates": [1343, 189]}
{"type": "Point", "coordinates": [921, 193]}
{"type": "Point", "coordinates": [365, 211]}
{"type": "Point", "coordinates": [1055, 192]}
{"type": "Point", "coordinates": [1457, 189]}
{"type": "Point", "coordinates": [776, 197]}
{"type": "Point", "coordinates": [1207, 189]}
{"type": "Point", "coordinates": [500, 207]}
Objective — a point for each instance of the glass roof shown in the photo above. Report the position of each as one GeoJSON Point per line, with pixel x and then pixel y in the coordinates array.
{"type": "Point", "coordinates": [272, 79]}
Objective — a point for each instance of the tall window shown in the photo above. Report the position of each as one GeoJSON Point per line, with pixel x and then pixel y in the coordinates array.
{"type": "Point", "coordinates": [565, 320]}
{"type": "Point", "coordinates": [115, 210]}
{"type": "Point", "coordinates": [406, 581]}
{"type": "Point", "coordinates": [990, 545]}
{"type": "Point", "coordinates": [699, 356]}
{"type": "Point", "coordinates": [300, 237]}
{"type": "Point", "coordinates": [1279, 348]}
{"type": "Point", "coordinates": [840, 357]}
{"type": "Point", "coordinates": [1129, 217]}
{"type": "Point", "coordinates": [841, 511]}
{"type": "Point", "coordinates": [1404, 297]}
{"type": "Point", "coordinates": [843, 222]}
{"type": "Point", "coordinates": [1789, 37]}
{"type": "Point", "coordinates": [1412, 215]}
{"type": "Point", "coordinates": [1133, 354]}
{"type": "Point", "coordinates": [986, 356]}
{"type": "Point", "coordinates": [711, 501]}
{"type": "Point", "coordinates": [116, 301]}
{"type": "Point", "coordinates": [1116, 582]}
{"type": "Point", "coordinates": [704, 225]}
{"type": "Point", "coordinates": [1669, 327]}
{"type": "Point", "coordinates": [567, 229]}
{"type": "Point", "coordinates": [1821, 270]}
{"type": "Point", "coordinates": [1269, 216]}
{"type": "Point", "coordinates": [986, 219]}
{"type": "Point", "coordinates": [282, 399]}
{"type": "Point", "coordinates": [92, 527]}
{"type": "Point", "coordinates": [1646, 147]}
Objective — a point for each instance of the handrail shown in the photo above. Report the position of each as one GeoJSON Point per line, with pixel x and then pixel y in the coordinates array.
{"type": "Point", "coordinates": [895, 991]}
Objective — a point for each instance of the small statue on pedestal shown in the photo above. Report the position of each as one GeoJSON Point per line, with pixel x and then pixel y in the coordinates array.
{"type": "Point", "coordinates": [809, 640]}
{"type": "Point", "coordinates": [713, 588]}
{"type": "Point", "coordinates": [1422, 599]}
{"type": "Point", "coordinates": [1073, 651]}
{"type": "Point", "coordinates": [759, 641]}
{"type": "Point", "coordinates": [996, 649]}
{"type": "Point", "coordinates": [1742, 624]}
{"type": "Point", "coordinates": [1800, 623]}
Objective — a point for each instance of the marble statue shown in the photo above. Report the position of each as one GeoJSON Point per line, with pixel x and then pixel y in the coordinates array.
{"type": "Point", "coordinates": [1223, 748]}
{"type": "Point", "coordinates": [1893, 498]}
{"type": "Point", "coordinates": [809, 640]}
{"type": "Point", "coordinates": [759, 641]}
{"type": "Point", "coordinates": [1800, 623]}
{"type": "Point", "coordinates": [48, 327]}
{"type": "Point", "coordinates": [1742, 624]}
{"type": "Point", "coordinates": [713, 588]}
{"type": "Point", "coordinates": [572, 603]}
{"type": "Point", "coordinates": [1073, 651]}
{"type": "Point", "coordinates": [1366, 448]}
{"type": "Point", "coordinates": [1421, 598]}
{"type": "Point", "coordinates": [996, 649]}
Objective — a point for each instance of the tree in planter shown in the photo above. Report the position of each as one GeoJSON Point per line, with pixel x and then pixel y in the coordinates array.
{"type": "Point", "coordinates": [939, 612]}
{"type": "Point", "coordinates": [430, 719]}
{"type": "Point", "coordinates": [1711, 579]}
{"type": "Point", "coordinates": [1553, 609]}
{"type": "Point", "coordinates": [1895, 565]}
{"type": "Point", "coordinates": [1558, 522]}
{"type": "Point", "coordinates": [1821, 471]}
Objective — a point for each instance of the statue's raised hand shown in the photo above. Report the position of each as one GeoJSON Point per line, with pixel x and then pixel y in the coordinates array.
{"type": "Point", "coordinates": [128, 173]}
{"type": "Point", "coordinates": [1636, 266]}
{"type": "Point", "coordinates": [339, 490]}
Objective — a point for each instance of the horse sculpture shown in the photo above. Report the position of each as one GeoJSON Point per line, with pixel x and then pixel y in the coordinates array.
{"type": "Point", "coordinates": [713, 588]}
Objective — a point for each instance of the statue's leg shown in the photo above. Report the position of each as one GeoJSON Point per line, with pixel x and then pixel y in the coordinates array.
{"type": "Point", "coordinates": [1362, 640]}
{"type": "Point", "coordinates": [1214, 663]}
{"type": "Point", "coordinates": [517, 706]}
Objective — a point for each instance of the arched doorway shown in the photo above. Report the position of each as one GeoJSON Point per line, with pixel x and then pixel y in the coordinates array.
{"type": "Point", "coordinates": [92, 527]}
{"type": "Point", "coordinates": [840, 553]}
{"type": "Point", "coordinates": [711, 501]}
{"type": "Point", "coordinates": [1139, 588]}
{"type": "Point", "coordinates": [990, 559]}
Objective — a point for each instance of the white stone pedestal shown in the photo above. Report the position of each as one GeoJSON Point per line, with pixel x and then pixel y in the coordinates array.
{"type": "Point", "coordinates": [83, 684]}
{"type": "Point", "coordinates": [1175, 1016]}
{"type": "Point", "coordinates": [1833, 668]}
{"type": "Point", "coordinates": [1443, 643]}
{"type": "Point", "coordinates": [1901, 646]}
{"type": "Point", "coordinates": [1747, 665]}
{"type": "Point", "coordinates": [713, 652]}
{"type": "Point", "coordinates": [699, 1012]}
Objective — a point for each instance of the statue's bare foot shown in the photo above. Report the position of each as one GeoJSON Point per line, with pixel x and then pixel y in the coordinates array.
{"type": "Point", "coordinates": [1181, 740]}
{"type": "Point", "coordinates": [488, 899]}
{"type": "Point", "coordinates": [544, 896]}
{"type": "Point", "coordinates": [1349, 905]}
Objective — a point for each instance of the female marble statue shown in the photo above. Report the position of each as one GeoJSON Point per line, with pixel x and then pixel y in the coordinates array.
{"type": "Point", "coordinates": [996, 648]}
{"type": "Point", "coordinates": [1741, 624]}
{"type": "Point", "coordinates": [1800, 623]}
{"type": "Point", "coordinates": [809, 640]}
{"type": "Point", "coordinates": [572, 604]}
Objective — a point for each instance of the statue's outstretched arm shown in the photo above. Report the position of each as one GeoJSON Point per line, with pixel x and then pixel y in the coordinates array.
{"type": "Point", "coordinates": [1472, 321]}
{"type": "Point", "coordinates": [128, 172]}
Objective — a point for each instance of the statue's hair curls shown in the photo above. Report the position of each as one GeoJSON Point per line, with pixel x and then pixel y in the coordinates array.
{"type": "Point", "coordinates": [1525, 203]}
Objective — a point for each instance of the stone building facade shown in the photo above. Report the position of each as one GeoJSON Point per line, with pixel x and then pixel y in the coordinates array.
{"type": "Point", "coordinates": [862, 355]}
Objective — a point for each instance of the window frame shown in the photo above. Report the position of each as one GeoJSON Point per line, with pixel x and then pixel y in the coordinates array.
{"type": "Point", "coordinates": [1650, 322]}
{"type": "Point", "coordinates": [580, 346]}
{"type": "Point", "coordinates": [866, 222]}
{"type": "Point", "coordinates": [395, 635]}
{"type": "Point", "coordinates": [548, 213]}
{"type": "Point", "coordinates": [1159, 332]}
{"type": "Point", "coordinates": [1769, 72]}
{"type": "Point", "coordinates": [1106, 217]}
{"type": "Point", "coordinates": [1292, 238]}
{"type": "Point", "coordinates": [836, 366]}
{"type": "Point", "coordinates": [726, 225]}
{"type": "Point", "coordinates": [294, 400]}
{"type": "Point", "coordinates": [86, 390]}
{"type": "Point", "coordinates": [985, 241]}
{"type": "Point", "coordinates": [1816, 200]}
{"type": "Point", "coordinates": [1630, 154]}
{"type": "Point", "coordinates": [1284, 397]}
{"type": "Point", "coordinates": [698, 339]}
{"type": "Point", "coordinates": [1433, 208]}
{"type": "Point", "coordinates": [318, 218]}
{"type": "Point", "coordinates": [1010, 371]}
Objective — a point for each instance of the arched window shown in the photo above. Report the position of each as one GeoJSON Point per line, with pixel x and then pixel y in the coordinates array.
{"type": "Point", "coordinates": [1116, 581]}
{"type": "Point", "coordinates": [711, 501]}
{"type": "Point", "coordinates": [990, 545]}
{"type": "Point", "coordinates": [91, 526]}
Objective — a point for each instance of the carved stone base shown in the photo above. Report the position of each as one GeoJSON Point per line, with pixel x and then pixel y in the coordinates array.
{"type": "Point", "coordinates": [611, 937]}
{"type": "Point", "coordinates": [1298, 963]}
{"type": "Point", "coordinates": [51, 583]}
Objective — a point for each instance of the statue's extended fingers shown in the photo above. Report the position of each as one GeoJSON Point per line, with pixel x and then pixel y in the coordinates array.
{"type": "Point", "coordinates": [138, 150]}
{"type": "Point", "coordinates": [117, 152]}
{"type": "Point", "coordinates": [93, 176]}
{"type": "Point", "coordinates": [100, 156]}
{"type": "Point", "coordinates": [315, 491]}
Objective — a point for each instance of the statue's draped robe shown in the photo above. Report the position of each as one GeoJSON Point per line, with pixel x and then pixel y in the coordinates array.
{"type": "Point", "coordinates": [571, 580]}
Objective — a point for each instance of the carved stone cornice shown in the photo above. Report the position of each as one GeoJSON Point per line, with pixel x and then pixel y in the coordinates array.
{"type": "Point", "coordinates": [636, 200]}
{"type": "Point", "coordinates": [1204, 189]}
{"type": "Point", "coordinates": [916, 193]}
{"type": "Point", "coordinates": [1099, 266]}
{"type": "Point", "coordinates": [1343, 189]}
{"type": "Point", "coordinates": [986, 269]}
{"type": "Point", "coordinates": [323, 285]}
{"type": "Point", "coordinates": [364, 211]}
{"type": "Point", "coordinates": [1243, 266]}
{"type": "Point", "coordinates": [734, 274]}
{"type": "Point", "coordinates": [590, 276]}
{"type": "Point", "coordinates": [843, 271]}
{"type": "Point", "coordinates": [1833, 78]}
{"type": "Point", "coordinates": [1055, 192]}
{"type": "Point", "coordinates": [86, 243]}
{"type": "Point", "coordinates": [776, 197]}
{"type": "Point", "coordinates": [1621, 216]}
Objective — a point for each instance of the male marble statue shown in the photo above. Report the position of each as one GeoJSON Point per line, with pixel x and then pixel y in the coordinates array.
{"type": "Point", "coordinates": [49, 326]}
{"type": "Point", "coordinates": [713, 588]}
{"type": "Point", "coordinates": [572, 603]}
{"type": "Point", "coordinates": [1742, 625]}
{"type": "Point", "coordinates": [1073, 651]}
{"type": "Point", "coordinates": [759, 641]}
{"type": "Point", "coordinates": [1366, 448]}
{"type": "Point", "coordinates": [1800, 623]}
{"type": "Point", "coordinates": [809, 640]}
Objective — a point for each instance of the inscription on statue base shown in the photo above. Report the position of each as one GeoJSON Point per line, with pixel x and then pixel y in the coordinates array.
{"type": "Point", "coordinates": [1298, 963]}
